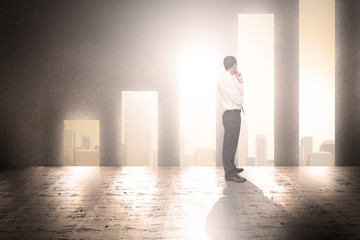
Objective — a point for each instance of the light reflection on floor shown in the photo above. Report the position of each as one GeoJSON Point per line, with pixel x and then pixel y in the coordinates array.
{"type": "Point", "coordinates": [179, 203]}
{"type": "Point", "coordinates": [265, 178]}
{"type": "Point", "coordinates": [205, 190]}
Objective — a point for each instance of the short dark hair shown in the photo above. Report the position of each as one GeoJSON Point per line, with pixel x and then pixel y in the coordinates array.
{"type": "Point", "coordinates": [229, 61]}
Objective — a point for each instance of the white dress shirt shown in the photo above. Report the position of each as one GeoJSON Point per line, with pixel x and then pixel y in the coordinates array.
{"type": "Point", "coordinates": [231, 92]}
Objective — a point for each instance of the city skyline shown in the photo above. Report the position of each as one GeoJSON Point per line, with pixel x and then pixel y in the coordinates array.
{"type": "Point", "coordinates": [323, 154]}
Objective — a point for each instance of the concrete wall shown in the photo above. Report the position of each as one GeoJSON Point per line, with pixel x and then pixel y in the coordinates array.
{"type": "Point", "coordinates": [347, 96]}
{"type": "Point", "coordinates": [71, 60]}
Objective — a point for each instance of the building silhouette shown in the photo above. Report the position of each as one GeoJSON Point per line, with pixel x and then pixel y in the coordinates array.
{"type": "Point", "coordinates": [261, 150]}
{"type": "Point", "coordinates": [87, 142]}
{"type": "Point", "coordinates": [242, 151]}
{"type": "Point", "coordinates": [69, 147]}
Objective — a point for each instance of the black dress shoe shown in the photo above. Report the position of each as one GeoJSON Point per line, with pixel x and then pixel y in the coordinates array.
{"type": "Point", "coordinates": [237, 178]}
{"type": "Point", "coordinates": [239, 170]}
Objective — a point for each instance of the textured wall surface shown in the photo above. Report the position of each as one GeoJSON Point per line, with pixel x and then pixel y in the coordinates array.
{"type": "Point", "coordinates": [71, 60]}
{"type": "Point", "coordinates": [347, 120]}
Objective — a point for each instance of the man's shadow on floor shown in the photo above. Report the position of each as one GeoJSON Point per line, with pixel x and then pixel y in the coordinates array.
{"type": "Point", "coordinates": [244, 212]}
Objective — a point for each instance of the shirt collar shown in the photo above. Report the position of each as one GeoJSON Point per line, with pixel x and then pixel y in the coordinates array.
{"type": "Point", "coordinates": [228, 73]}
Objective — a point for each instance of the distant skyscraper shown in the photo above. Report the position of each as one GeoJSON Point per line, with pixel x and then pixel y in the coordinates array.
{"type": "Point", "coordinates": [69, 147]}
{"type": "Point", "coordinates": [328, 146]}
{"type": "Point", "coordinates": [86, 142]}
{"type": "Point", "coordinates": [260, 150]}
{"type": "Point", "coordinates": [306, 148]}
{"type": "Point", "coordinates": [242, 150]}
{"type": "Point", "coordinates": [320, 159]}
{"type": "Point", "coordinates": [205, 157]}
{"type": "Point", "coordinates": [183, 161]}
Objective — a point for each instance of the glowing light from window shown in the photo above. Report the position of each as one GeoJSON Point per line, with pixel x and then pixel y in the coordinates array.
{"type": "Point", "coordinates": [317, 70]}
{"type": "Point", "coordinates": [198, 77]}
{"type": "Point", "coordinates": [256, 63]}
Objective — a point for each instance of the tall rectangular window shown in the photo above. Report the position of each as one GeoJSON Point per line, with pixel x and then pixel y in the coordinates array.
{"type": "Point", "coordinates": [256, 63]}
{"type": "Point", "coordinates": [317, 82]}
{"type": "Point", "coordinates": [139, 128]}
{"type": "Point", "coordinates": [198, 81]}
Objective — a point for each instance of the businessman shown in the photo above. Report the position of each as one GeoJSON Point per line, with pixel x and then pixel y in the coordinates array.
{"type": "Point", "coordinates": [231, 95]}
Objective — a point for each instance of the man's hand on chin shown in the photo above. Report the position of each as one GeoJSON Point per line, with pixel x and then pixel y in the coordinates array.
{"type": "Point", "coordinates": [239, 77]}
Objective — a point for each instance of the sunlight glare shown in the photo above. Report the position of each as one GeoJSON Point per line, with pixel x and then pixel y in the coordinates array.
{"type": "Point", "coordinates": [318, 172]}
{"type": "Point", "coordinates": [197, 72]}
{"type": "Point", "coordinates": [256, 63]}
{"type": "Point", "coordinates": [82, 173]}
{"type": "Point", "coordinates": [317, 70]}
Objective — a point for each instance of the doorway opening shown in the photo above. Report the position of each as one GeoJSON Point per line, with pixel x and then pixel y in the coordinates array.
{"type": "Point", "coordinates": [81, 143]}
{"type": "Point", "coordinates": [256, 63]}
{"type": "Point", "coordinates": [139, 128]}
{"type": "Point", "coordinates": [317, 83]}
{"type": "Point", "coordinates": [198, 80]}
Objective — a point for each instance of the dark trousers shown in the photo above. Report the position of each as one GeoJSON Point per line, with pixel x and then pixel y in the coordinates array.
{"type": "Point", "coordinates": [231, 120]}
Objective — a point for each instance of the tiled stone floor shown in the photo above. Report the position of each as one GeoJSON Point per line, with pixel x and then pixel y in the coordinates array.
{"type": "Point", "coordinates": [179, 203]}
